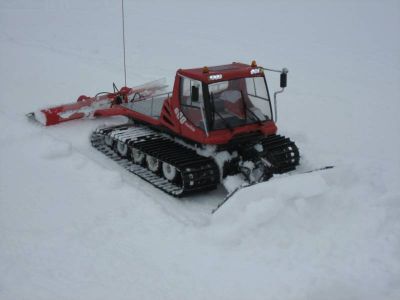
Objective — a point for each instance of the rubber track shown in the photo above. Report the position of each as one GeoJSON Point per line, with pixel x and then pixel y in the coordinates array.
{"type": "Point", "coordinates": [198, 173]}
{"type": "Point", "coordinates": [281, 152]}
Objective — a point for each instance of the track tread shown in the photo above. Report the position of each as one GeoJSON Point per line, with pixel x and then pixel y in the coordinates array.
{"type": "Point", "coordinates": [198, 173]}
{"type": "Point", "coordinates": [281, 152]}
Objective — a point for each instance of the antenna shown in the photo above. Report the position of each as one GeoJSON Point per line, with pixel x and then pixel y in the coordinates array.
{"type": "Point", "coordinates": [123, 37]}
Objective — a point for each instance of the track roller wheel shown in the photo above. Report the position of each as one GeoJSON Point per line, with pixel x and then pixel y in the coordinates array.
{"type": "Point", "coordinates": [169, 172]}
{"type": "Point", "coordinates": [153, 164]}
{"type": "Point", "coordinates": [122, 149]}
{"type": "Point", "coordinates": [108, 140]}
{"type": "Point", "coordinates": [137, 156]}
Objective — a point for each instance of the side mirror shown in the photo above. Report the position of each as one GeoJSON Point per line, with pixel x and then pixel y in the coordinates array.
{"type": "Point", "coordinates": [195, 93]}
{"type": "Point", "coordinates": [284, 77]}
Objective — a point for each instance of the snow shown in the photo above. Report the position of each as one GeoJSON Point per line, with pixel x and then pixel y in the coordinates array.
{"type": "Point", "coordinates": [296, 187]}
{"type": "Point", "coordinates": [40, 117]}
{"type": "Point", "coordinates": [73, 225]}
{"type": "Point", "coordinates": [233, 182]}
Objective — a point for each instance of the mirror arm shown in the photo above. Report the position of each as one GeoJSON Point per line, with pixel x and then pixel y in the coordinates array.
{"type": "Point", "coordinates": [275, 104]}
{"type": "Point", "coordinates": [283, 83]}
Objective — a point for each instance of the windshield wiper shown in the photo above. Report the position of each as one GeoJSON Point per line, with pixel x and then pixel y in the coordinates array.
{"type": "Point", "coordinates": [248, 110]}
{"type": "Point", "coordinates": [222, 118]}
{"type": "Point", "coordinates": [258, 119]}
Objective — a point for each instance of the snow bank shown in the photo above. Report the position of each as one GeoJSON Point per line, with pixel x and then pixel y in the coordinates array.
{"type": "Point", "coordinates": [309, 231]}
{"type": "Point", "coordinates": [258, 203]}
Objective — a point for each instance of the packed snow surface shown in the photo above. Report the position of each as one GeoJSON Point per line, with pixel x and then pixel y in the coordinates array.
{"type": "Point", "coordinates": [73, 225]}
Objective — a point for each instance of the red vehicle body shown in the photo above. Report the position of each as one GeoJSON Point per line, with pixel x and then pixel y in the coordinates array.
{"type": "Point", "coordinates": [167, 144]}
{"type": "Point", "coordinates": [172, 118]}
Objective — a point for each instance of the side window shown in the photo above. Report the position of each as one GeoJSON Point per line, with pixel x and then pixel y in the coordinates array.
{"type": "Point", "coordinates": [251, 87]}
{"type": "Point", "coordinates": [256, 87]}
{"type": "Point", "coordinates": [185, 91]}
{"type": "Point", "coordinates": [191, 99]}
{"type": "Point", "coordinates": [258, 96]}
{"type": "Point", "coordinates": [191, 92]}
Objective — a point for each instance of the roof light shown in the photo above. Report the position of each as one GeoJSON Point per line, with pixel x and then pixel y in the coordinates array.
{"type": "Point", "coordinates": [255, 71]}
{"type": "Point", "coordinates": [215, 77]}
{"type": "Point", "coordinates": [254, 64]}
{"type": "Point", "coordinates": [205, 69]}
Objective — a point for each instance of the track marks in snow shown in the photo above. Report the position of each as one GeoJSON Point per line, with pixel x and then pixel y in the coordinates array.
{"type": "Point", "coordinates": [53, 149]}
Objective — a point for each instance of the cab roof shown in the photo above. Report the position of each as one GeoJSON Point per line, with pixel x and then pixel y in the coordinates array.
{"type": "Point", "coordinates": [228, 72]}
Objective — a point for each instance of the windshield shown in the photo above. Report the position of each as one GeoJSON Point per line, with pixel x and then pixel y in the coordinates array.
{"type": "Point", "coordinates": [238, 102]}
